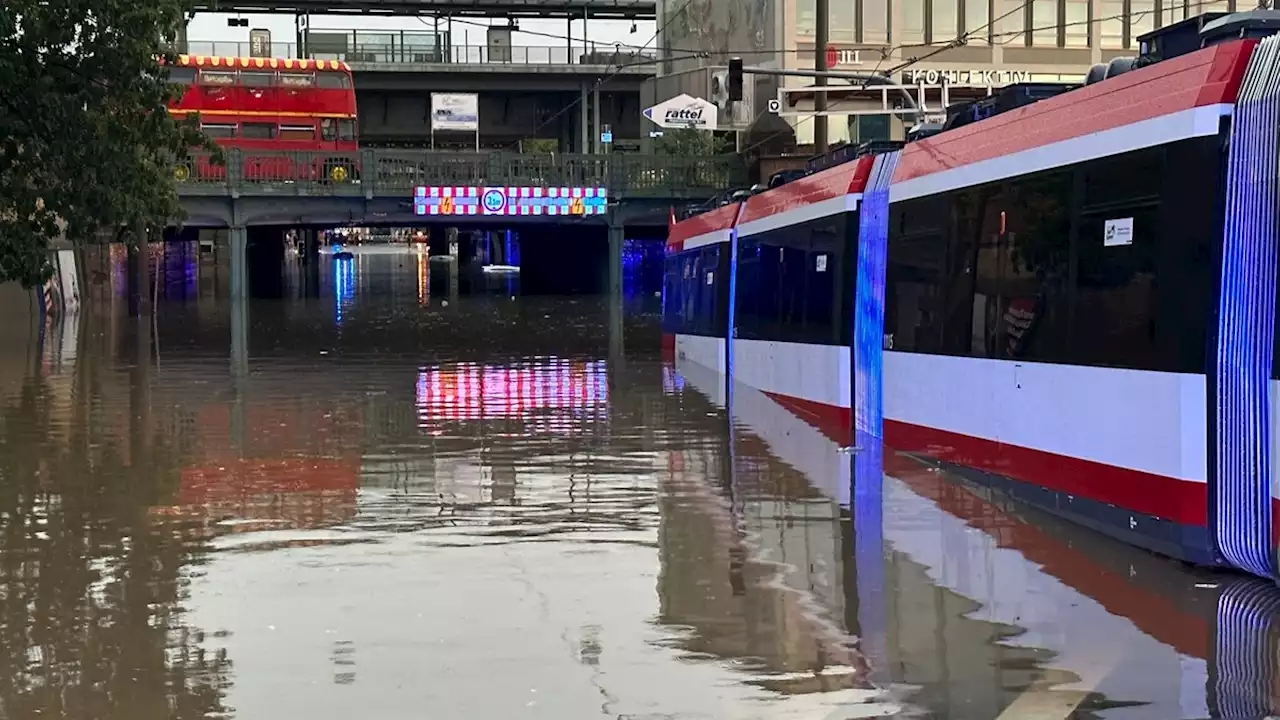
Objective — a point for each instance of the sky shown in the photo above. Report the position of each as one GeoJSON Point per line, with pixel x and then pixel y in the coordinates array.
{"type": "Point", "coordinates": [208, 27]}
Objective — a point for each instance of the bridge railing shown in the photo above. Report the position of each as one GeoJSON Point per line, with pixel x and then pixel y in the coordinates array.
{"type": "Point", "coordinates": [398, 172]}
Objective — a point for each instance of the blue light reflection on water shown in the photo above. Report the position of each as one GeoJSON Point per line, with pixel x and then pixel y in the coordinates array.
{"type": "Point", "coordinates": [344, 285]}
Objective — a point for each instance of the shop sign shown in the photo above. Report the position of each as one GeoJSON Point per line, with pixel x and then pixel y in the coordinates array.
{"type": "Point", "coordinates": [990, 77]}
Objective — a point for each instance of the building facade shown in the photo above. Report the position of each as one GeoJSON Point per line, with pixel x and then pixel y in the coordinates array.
{"type": "Point", "coordinates": [972, 45]}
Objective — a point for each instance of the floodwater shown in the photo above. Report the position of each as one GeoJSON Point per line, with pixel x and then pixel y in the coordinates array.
{"type": "Point", "coordinates": [418, 505]}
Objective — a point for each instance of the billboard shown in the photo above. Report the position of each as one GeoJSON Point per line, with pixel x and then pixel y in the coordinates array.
{"type": "Point", "coordinates": [510, 201]}
{"type": "Point", "coordinates": [455, 112]}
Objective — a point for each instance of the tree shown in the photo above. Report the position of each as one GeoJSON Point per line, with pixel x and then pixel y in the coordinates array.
{"type": "Point", "coordinates": [85, 139]}
{"type": "Point", "coordinates": [687, 142]}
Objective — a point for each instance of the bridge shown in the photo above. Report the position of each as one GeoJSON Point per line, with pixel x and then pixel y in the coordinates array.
{"type": "Point", "coordinates": [376, 187]}
{"type": "Point", "coordinates": [600, 9]}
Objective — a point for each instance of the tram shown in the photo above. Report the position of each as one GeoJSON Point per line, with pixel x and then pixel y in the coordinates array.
{"type": "Point", "coordinates": [1071, 298]}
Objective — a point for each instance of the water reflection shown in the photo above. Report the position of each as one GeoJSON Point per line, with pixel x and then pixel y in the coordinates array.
{"type": "Point", "coordinates": [474, 511]}
{"type": "Point", "coordinates": [974, 607]}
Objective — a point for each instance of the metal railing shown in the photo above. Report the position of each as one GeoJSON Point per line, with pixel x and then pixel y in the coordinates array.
{"type": "Point", "coordinates": [410, 48]}
{"type": "Point", "coordinates": [395, 173]}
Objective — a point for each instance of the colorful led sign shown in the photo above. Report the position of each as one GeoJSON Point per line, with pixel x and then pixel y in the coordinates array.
{"type": "Point", "coordinates": [510, 201]}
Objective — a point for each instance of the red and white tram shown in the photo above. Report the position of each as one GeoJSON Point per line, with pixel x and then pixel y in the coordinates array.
{"type": "Point", "coordinates": [1073, 300]}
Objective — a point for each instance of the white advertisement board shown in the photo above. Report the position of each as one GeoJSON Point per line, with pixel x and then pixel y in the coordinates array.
{"type": "Point", "coordinates": [684, 111]}
{"type": "Point", "coordinates": [455, 111]}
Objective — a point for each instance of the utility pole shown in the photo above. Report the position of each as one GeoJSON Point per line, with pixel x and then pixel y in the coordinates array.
{"type": "Point", "coordinates": [822, 22]}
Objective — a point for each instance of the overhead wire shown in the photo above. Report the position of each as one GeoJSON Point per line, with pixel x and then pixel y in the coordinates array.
{"type": "Point", "coordinates": [600, 82]}
{"type": "Point", "coordinates": [1012, 33]}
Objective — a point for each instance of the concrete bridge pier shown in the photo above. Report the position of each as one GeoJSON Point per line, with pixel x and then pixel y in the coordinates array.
{"type": "Point", "coordinates": [239, 300]}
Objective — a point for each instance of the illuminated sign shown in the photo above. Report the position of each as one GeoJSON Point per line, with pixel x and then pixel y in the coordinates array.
{"type": "Point", "coordinates": [510, 201]}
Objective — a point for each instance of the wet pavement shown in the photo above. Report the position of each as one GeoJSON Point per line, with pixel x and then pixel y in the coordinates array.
{"type": "Point", "coordinates": [478, 506]}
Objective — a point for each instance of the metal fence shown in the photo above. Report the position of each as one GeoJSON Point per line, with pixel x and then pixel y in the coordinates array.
{"type": "Point", "coordinates": [390, 173]}
{"type": "Point", "coordinates": [405, 48]}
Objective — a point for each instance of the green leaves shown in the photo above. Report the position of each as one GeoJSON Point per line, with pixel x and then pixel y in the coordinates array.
{"type": "Point", "coordinates": [85, 136]}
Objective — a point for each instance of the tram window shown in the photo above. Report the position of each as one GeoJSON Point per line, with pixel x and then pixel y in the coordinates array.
{"type": "Point", "coordinates": [347, 130]}
{"type": "Point", "coordinates": [182, 75]}
{"type": "Point", "coordinates": [257, 79]}
{"type": "Point", "coordinates": [1116, 291]}
{"type": "Point", "coordinates": [332, 81]}
{"type": "Point", "coordinates": [328, 129]}
{"type": "Point", "coordinates": [297, 132]}
{"type": "Point", "coordinates": [217, 78]}
{"type": "Point", "coordinates": [219, 131]}
{"type": "Point", "coordinates": [258, 131]}
{"type": "Point", "coordinates": [914, 278]}
{"type": "Point", "coordinates": [1035, 255]}
{"type": "Point", "coordinates": [297, 80]}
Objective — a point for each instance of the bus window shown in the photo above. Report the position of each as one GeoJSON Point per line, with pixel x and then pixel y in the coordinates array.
{"type": "Point", "coordinates": [297, 79]}
{"type": "Point", "coordinates": [219, 131]}
{"type": "Point", "coordinates": [258, 131]}
{"type": "Point", "coordinates": [208, 77]}
{"type": "Point", "coordinates": [256, 79]}
{"type": "Point", "coordinates": [328, 129]}
{"type": "Point", "coordinates": [333, 81]}
{"type": "Point", "coordinates": [297, 132]}
{"type": "Point", "coordinates": [347, 130]}
{"type": "Point", "coordinates": [182, 75]}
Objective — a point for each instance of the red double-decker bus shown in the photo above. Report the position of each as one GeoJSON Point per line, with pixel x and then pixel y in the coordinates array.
{"type": "Point", "coordinates": [265, 106]}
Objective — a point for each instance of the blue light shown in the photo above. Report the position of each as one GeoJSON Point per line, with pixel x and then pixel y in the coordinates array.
{"type": "Point", "coordinates": [731, 327]}
{"type": "Point", "coordinates": [868, 314]}
{"type": "Point", "coordinates": [868, 413]}
{"type": "Point", "coordinates": [1241, 489]}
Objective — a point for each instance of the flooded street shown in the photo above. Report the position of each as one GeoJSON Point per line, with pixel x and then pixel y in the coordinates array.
{"type": "Point", "coordinates": [478, 506]}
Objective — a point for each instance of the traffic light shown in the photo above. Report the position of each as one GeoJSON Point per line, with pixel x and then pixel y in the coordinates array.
{"type": "Point", "coordinates": [735, 79]}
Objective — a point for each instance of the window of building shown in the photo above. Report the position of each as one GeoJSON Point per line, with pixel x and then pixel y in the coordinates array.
{"type": "Point", "coordinates": [977, 17]}
{"type": "Point", "coordinates": [843, 26]}
{"type": "Point", "coordinates": [1111, 24]}
{"type": "Point", "coordinates": [258, 131]}
{"type": "Point", "coordinates": [912, 22]}
{"type": "Point", "coordinates": [1142, 19]}
{"type": "Point", "coordinates": [219, 131]}
{"type": "Point", "coordinates": [944, 21]}
{"type": "Point", "coordinates": [297, 132]}
{"type": "Point", "coordinates": [804, 17]}
{"type": "Point", "coordinates": [875, 21]}
{"type": "Point", "coordinates": [1013, 22]}
{"type": "Point", "coordinates": [1044, 23]}
{"type": "Point", "coordinates": [868, 127]}
{"type": "Point", "coordinates": [1076, 28]}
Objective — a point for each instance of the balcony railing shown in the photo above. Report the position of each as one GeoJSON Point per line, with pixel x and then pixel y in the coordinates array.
{"type": "Point", "coordinates": [395, 173]}
{"type": "Point", "coordinates": [408, 47]}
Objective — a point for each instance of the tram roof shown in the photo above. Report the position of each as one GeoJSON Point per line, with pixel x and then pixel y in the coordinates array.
{"type": "Point", "coordinates": [258, 63]}
{"type": "Point", "coordinates": [1169, 89]}
{"type": "Point", "coordinates": [836, 182]}
{"type": "Point", "coordinates": [719, 220]}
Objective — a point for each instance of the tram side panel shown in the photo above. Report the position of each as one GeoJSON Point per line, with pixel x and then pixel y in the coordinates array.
{"type": "Point", "coordinates": [1026, 343]}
